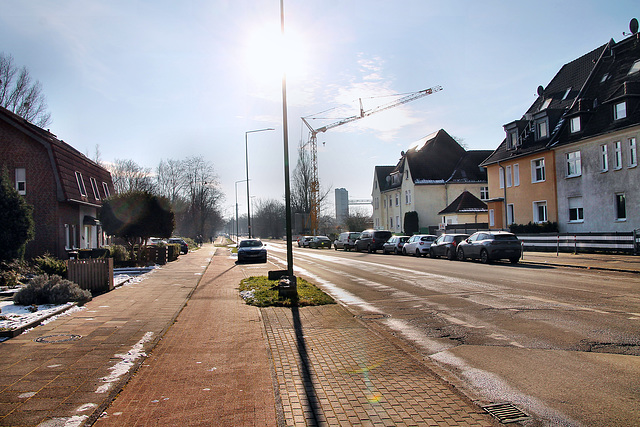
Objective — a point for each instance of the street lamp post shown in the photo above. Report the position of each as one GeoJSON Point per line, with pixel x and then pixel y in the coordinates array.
{"type": "Point", "coordinates": [246, 154]}
{"type": "Point", "coordinates": [237, 182]}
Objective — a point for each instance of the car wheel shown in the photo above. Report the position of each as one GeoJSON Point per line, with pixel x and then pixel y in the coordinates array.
{"type": "Point", "coordinates": [396, 251]}
{"type": "Point", "coordinates": [417, 253]}
{"type": "Point", "coordinates": [432, 254]}
{"type": "Point", "coordinates": [450, 255]}
{"type": "Point", "coordinates": [514, 260]}
{"type": "Point", "coordinates": [404, 251]}
{"type": "Point", "coordinates": [369, 249]}
{"type": "Point", "coordinates": [460, 255]}
{"type": "Point", "coordinates": [484, 256]}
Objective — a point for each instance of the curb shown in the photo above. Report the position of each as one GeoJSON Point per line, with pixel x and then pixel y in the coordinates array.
{"type": "Point", "coordinates": [15, 332]}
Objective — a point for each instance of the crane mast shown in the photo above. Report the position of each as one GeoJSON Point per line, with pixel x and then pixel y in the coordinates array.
{"type": "Point", "coordinates": [313, 144]}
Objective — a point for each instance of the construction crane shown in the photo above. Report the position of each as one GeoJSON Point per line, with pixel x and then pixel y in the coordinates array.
{"type": "Point", "coordinates": [313, 143]}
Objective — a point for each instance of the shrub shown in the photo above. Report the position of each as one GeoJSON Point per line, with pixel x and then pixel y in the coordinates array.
{"type": "Point", "coordinates": [48, 264]}
{"type": "Point", "coordinates": [534, 228]}
{"type": "Point", "coordinates": [45, 289]}
{"type": "Point", "coordinates": [119, 253]}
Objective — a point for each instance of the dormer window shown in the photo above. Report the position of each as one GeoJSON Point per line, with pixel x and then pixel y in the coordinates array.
{"type": "Point", "coordinates": [542, 130]}
{"type": "Point", "coordinates": [81, 187]}
{"type": "Point", "coordinates": [620, 110]}
{"type": "Point", "coordinates": [575, 124]}
{"type": "Point", "coordinates": [512, 140]}
{"type": "Point", "coordinates": [635, 67]}
{"type": "Point", "coordinates": [546, 104]}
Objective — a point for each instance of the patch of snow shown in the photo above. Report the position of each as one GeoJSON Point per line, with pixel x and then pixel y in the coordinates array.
{"type": "Point", "coordinates": [122, 367]}
{"type": "Point", "coordinates": [14, 316]}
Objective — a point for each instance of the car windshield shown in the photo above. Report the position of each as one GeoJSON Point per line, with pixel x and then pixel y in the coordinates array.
{"type": "Point", "coordinates": [250, 243]}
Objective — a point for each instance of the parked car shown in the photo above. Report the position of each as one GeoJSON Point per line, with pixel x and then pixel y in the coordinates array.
{"type": "Point", "coordinates": [320, 242]}
{"type": "Point", "coordinates": [303, 241]}
{"type": "Point", "coordinates": [372, 240]}
{"type": "Point", "coordinates": [346, 240]}
{"type": "Point", "coordinates": [418, 244]}
{"type": "Point", "coordinates": [394, 245]}
{"type": "Point", "coordinates": [156, 241]}
{"type": "Point", "coordinates": [252, 250]}
{"type": "Point", "coordinates": [490, 245]}
{"type": "Point", "coordinates": [184, 247]}
{"type": "Point", "coordinates": [446, 246]}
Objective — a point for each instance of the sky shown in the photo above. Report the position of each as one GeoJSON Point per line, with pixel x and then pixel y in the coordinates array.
{"type": "Point", "coordinates": [158, 80]}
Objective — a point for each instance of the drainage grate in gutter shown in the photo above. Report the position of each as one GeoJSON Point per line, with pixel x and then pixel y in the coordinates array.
{"type": "Point", "coordinates": [506, 412]}
{"type": "Point", "coordinates": [57, 338]}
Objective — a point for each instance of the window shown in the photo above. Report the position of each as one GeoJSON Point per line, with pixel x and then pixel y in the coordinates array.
{"type": "Point", "coordinates": [617, 155]}
{"type": "Point", "coordinates": [566, 94]}
{"type": "Point", "coordinates": [484, 193]}
{"type": "Point", "coordinates": [541, 130]}
{"type": "Point", "coordinates": [407, 197]}
{"type": "Point", "coordinates": [537, 170]}
{"type": "Point", "coordinates": [633, 152]}
{"type": "Point", "coordinates": [575, 124]}
{"type": "Point", "coordinates": [390, 201]}
{"type": "Point", "coordinates": [384, 202]}
{"type": "Point", "coordinates": [512, 140]}
{"type": "Point", "coordinates": [397, 222]}
{"type": "Point", "coordinates": [69, 236]}
{"type": "Point", "coordinates": [21, 181]}
{"type": "Point", "coordinates": [94, 187]}
{"type": "Point", "coordinates": [574, 167]}
{"type": "Point", "coordinates": [620, 111]}
{"type": "Point", "coordinates": [105, 187]}
{"type": "Point", "coordinates": [540, 211]}
{"type": "Point", "coordinates": [621, 208]}
{"type": "Point", "coordinates": [604, 158]}
{"type": "Point", "coordinates": [509, 183]}
{"type": "Point", "coordinates": [576, 213]}
{"type": "Point", "coordinates": [397, 199]}
{"type": "Point", "coordinates": [406, 174]}
{"type": "Point", "coordinates": [390, 222]}
{"type": "Point", "coordinates": [501, 173]}
{"type": "Point", "coordinates": [635, 67]}
{"type": "Point", "coordinates": [516, 174]}
{"type": "Point", "coordinates": [510, 217]}
{"type": "Point", "coordinates": [81, 187]}
{"type": "Point", "coordinates": [492, 218]}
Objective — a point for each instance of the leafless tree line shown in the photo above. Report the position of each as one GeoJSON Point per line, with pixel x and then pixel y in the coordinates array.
{"type": "Point", "coordinates": [20, 94]}
{"type": "Point", "coordinates": [191, 185]}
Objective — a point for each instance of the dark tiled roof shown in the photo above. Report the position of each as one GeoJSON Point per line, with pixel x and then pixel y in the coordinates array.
{"type": "Point", "coordinates": [609, 84]}
{"type": "Point", "coordinates": [66, 159]}
{"type": "Point", "coordinates": [465, 202]}
{"type": "Point", "coordinates": [435, 159]}
{"type": "Point", "coordinates": [559, 95]}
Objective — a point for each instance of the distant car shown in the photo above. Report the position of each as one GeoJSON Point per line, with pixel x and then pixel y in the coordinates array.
{"type": "Point", "coordinates": [490, 245]}
{"type": "Point", "coordinates": [303, 241]}
{"type": "Point", "coordinates": [418, 244]}
{"type": "Point", "coordinates": [372, 240]}
{"type": "Point", "coordinates": [184, 247]}
{"type": "Point", "coordinates": [320, 242]}
{"type": "Point", "coordinates": [346, 240]}
{"type": "Point", "coordinates": [394, 245]}
{"type": "Point", "coordinates": [446, 246]}
{"type": "Point", "coordinates": [252, 250]}
{"type": "Point", "coordinates": [156, 241]}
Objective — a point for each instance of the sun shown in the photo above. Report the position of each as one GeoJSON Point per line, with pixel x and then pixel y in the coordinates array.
{"type": "Point", "coordinates": [269, 54]}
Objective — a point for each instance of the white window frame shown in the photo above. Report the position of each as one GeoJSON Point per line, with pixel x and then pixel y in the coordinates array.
{"type": "Point", "coordinates": [21, 181]}
{"type": "Point", "coordinates": [604, 158]}
{"type": "Point", "coordinates": [620, 217]}
{"type": "Point", "coordinates": [501, 176]}
{"type": "Point", "coordinates": [620, 110]}
{"type": "Point", "coordinates": [542, 129]}
{"type": "Point", "coordinates": [484, 193]}
{"type": "Point", "coordinates": [575, 204]}
{"type": "Point", "coordinates": [617, 155]}
{"type": "Point", "coordinates": [397, 199]}
{"type": "Point", "coordinates": [536, 211]}
{"type": "Point", "coordinates": [492, 218]}
{"type": "Point", "coordinates": [94, 187]}
{"type": "Point", "coordinates": [512, 140]}
{"type": "Point", "coordinates": [105, 187]}
{"type": "Point", "coordinates": [535, 167]}
{"type": "Point", "coordinates": [516, 174]}
{"type": "Point", "coordinates": [575, 124]}
{"type": "Point", "coordinates": [632, 148]}
{"type": "Point", "coordinates": [573, 164]}
{"type": "Point", "coordinates": [397, 222]}
{"type": "Point", "coordinates": [511, 217]}
{"type": "Point", "coordinates": [81, 187]}
{"type": "Point", "coordinates": [509, 179]}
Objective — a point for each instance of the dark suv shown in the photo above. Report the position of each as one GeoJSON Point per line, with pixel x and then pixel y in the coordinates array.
{"type": "Point", "coordinates": [372, 240]}
{"type": "Point", "coordinates": [446, 245]}
{"type": "Point", "coordinates": [490, 245]}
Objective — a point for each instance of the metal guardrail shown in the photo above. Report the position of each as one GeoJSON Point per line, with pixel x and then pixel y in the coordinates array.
{"type": "Point", "coordinates": [624, 242]}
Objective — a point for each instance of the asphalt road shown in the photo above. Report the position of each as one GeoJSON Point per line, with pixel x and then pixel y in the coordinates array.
{"type": "Point", "coordinates": [561, 344]}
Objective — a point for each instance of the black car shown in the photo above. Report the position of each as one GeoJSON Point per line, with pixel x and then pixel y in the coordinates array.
{"type": "Point", "coordinates": [320, 242]}
{"type": "Point", "coordinates": [490, 245]}
{"type": "Point", "coordinates": [372, 240]}
{"type": "Point", "coordinates": [394, 245]}
{"type": "Point", "coordinates": [446, 246]}
{"type": "Point", "coordinates": [252, 250]}
{"type": "Point", "coordinates": [184, 247]}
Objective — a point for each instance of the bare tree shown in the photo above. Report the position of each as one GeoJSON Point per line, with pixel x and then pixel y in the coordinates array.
{"type": "Point", "coordinates": [127, 176]}
{"type": "Point", "coordinates": [171, 179]}
{"type": "Point", "coordinates": [19, 94]}
{"type": "Point", "coordinates": [301, 188]}
{"type": "Point", "coordinates": [203, 197]}
{"type": "Point", "coordinates": [269, 219]}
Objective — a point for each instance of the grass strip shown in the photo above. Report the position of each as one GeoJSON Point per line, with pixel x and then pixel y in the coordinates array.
{"type": "Point", "coordinates": [262, 292]}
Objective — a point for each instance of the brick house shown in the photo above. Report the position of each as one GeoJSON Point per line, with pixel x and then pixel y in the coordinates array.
{"type": "Point", "coordinates": [430, 175]}
{"type": "Point", "coordinates": [64, 187]}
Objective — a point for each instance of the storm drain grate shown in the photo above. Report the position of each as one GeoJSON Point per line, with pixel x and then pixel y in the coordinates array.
{"type": "Point", "coordinates": [505, 412]}
{"type": "Point", "coordinates": [57, 338]}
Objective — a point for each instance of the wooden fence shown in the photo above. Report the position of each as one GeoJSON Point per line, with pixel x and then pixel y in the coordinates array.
{"type": "Point", "coordinates": [95, 275]}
